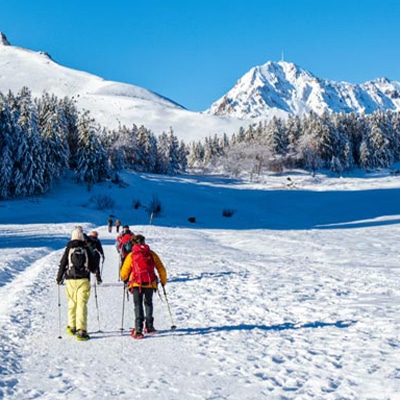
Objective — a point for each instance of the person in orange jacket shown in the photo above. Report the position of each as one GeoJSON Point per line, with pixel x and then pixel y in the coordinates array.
{"type": "Point", "coordinates": [141, 288]}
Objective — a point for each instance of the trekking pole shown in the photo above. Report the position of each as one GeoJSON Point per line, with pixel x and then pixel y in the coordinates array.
{"type": "Point", "coordinates": [102, 265]}
{"type": "Point", "coordinates": [173, 326]}
{"type": "Point", "coordinates": [123, 310]}
{"type": "Point", "coordinates": [119, 268]}
{"type": "Point", "coordinates": [59, 313]}
{"type": "Point", "coordinates": [97, 305]}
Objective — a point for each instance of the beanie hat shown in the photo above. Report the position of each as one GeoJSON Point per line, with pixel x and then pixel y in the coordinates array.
{"type": "Point", "coordinates": [77, 234]}
{"type": "Point", "coordinates": [139, 239]}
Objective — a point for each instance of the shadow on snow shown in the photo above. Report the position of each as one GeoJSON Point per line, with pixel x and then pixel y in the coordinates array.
{"type": "Point", "coordinates": [276, 328]}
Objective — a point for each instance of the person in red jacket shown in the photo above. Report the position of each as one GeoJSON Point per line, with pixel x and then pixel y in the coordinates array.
{"type": "Point", "coordinates": [124, 244]}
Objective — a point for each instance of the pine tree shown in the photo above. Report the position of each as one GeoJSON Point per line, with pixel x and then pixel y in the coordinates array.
{"type": "Point", "coordinates": [6, 165]}
{"type": "Point", "coordinates": [162, 154]}
{"type": "Point", "coordinates": [19, 148]}
{"type": "Point", "coordinates": [92, 160]}
{"type": "Point", "coordinates": [276, 137]}
{"type": "Point", "coordinates": [32, 164]}
{"type": "Point", "coordinates": [54, 133]}
{"type": "Point", "coordinates": [70, 118]}
{"type": "Point", "coordinates": [380, 154]}
{"type": "Point", "coordinates": [173, 154]}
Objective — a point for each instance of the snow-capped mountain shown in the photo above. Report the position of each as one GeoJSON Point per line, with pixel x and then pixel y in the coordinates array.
{"type": "Point", "coordinates": [287, 87]}
{"type": "Point", "coordinates": [111, 103]}
{"type": "Point", "coordinates": [273, 89]}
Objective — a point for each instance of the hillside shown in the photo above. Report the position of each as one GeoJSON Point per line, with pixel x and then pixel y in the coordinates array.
{"type": "Point", "coordinates": [111, 103]}
{"type": "Point", "coordinates": [272, 89]}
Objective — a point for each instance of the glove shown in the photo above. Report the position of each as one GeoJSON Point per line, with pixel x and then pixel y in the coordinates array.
{"type": "Point", "coordinates": [99, 281]}
{"type": "Point", "coordinates": [59, 282]}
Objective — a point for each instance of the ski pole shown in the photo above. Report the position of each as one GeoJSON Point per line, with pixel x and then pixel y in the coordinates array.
{"type": "Point", "coordinates": [173, 326]}
{"type": "Point", "coordinates": [59, 312]}
{"type": "Point", "coordinates": [97, 305]}
{"type": "Point", "coordinates": [123, 309]}
{"type": "Point", "coordinates": [119, 268]}
{"type": "Point", "coordinates": [102, 265]}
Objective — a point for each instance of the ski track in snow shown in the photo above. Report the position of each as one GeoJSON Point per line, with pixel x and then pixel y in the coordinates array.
{"type": "Point", "coordinates": [317, 321]}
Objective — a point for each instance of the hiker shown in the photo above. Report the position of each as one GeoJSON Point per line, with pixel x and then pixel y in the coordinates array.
{"type": "Point", "coordinates": [124, 243]}
{"type": "Point", "coordinates": [96, 253]}
{"type": "Point", "coordinates": [74, 268]}
{"type": "Point", "coordinates": [110, 224]}
{"type": "Point", "coordinates": [138, 272]}
{"type": "Point", "coordinates": [117, 225]}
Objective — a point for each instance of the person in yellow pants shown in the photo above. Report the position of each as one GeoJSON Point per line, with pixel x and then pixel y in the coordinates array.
{"type": "Point", "coordinates": [75, 267]}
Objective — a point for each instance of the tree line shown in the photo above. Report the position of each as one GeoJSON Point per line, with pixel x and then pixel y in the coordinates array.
{"type": "Point", "coordinates": [336, 142]}
{"type": "Point", "coordinates": [41, 139]}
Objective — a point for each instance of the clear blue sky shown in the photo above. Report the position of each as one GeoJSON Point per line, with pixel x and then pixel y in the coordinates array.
{"type": "Point", "coordinates": [194, 51]}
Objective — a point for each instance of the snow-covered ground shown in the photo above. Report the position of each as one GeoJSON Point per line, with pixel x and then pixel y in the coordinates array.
{"type": "Point", "coordinates": [295, 296]}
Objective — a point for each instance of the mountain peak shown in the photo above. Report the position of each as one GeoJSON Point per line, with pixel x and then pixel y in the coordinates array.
{"type": "Point", "coordinates": [3, 40]}
{"type": "Point", "coordinates": [286, 87]}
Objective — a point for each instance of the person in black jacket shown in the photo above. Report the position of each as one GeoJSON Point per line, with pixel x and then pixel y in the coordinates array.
{"type": "Point", "coordinates": [96, 253]}
{"type": "Point", "coordinates": [75, 269]}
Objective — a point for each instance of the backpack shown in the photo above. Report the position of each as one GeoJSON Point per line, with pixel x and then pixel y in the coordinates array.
{"type": "Point", "coordinates": [78, 262]}
{"type": "Point", "coordinates": [126, 244]}
{"type": "Point", "coordinates": [92, 246]}
{"type": "Point", "coordinates": [142, 264]}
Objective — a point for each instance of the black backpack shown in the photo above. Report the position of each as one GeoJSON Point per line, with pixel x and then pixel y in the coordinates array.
{"type": "Point", "coordinates": [92, 245]}
{"type": "Point", "coordinates": [78, 262]}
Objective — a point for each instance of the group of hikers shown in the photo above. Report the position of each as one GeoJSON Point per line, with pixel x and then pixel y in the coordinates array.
{"type": "Point", "coordinates": [110, 224]}
{"type": "Point", "coordinates": [137, 269]}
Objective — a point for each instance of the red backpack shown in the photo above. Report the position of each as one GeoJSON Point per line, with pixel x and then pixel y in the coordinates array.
{"type": "Point", "coordinates": [125, 244]}
{"type": "Point", "coordinates": [142, 265]}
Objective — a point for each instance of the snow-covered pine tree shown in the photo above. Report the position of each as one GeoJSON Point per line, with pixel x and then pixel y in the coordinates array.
{"type": "Point", "coordinates": [92, 160]}
{"type": "Point", "coordinates": [54, 133]}
{"type": "Point", "coordinates": [7, 163]}
{"type": "Point", "coordinates": [380, 152]}
{"type": "Point", "coordinates": [32, 163]}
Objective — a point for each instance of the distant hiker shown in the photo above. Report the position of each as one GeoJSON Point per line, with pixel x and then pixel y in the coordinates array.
{"type": "Point", "coordinates": [117, 224]}
{"type": "Point", "coordinates": [124, 242]}
{"type": "Point", "coordinates": [110, 224]}
{"type": "Point", "coordinates": [96, 253]}
{"type": "Point", "coordinates": [138, 271]}
{"type": "Point", "coordinates": [75, 269]}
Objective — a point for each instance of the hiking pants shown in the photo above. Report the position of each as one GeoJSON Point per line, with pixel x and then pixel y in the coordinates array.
{"type": "Point", "coordinates": [78, 292]}
{"type": "Point", "coordinates": [141, 295]}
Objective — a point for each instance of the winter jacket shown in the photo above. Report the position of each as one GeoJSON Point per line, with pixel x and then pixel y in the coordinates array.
{"type": "Point", "coordinates": [95, 247]}
{"type": "Point", "coordinates": [63, 268]}
{"type": "Point", "coordinates": [127, 272]}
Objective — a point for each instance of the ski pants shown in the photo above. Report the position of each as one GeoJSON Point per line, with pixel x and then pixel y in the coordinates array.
{"type": "Point", "coordinates": [78, 292]}
{"type": "Point", "coordinates": [140, 296]}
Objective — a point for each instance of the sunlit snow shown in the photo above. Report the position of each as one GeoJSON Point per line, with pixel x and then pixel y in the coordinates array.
{"type": "Point", "coordinates": [295, 296]}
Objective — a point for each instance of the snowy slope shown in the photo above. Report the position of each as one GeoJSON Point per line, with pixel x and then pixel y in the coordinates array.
{"type": "Point", "coordinates": [287, 87]}
{"type": "Point", "coordinates": [295, 296]}
{"type": "Point", "coordinates": [111, 103]}
{"type": "Point", "coordinates": [273, 89]}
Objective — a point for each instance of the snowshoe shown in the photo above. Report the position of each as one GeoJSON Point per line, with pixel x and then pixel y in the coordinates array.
{"type": "Point", "coordinates": [82, 336]}
{"type": "Point", "coordinates": [136, 335]}
{"type": "Point", "coordinates": [70, 331]}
